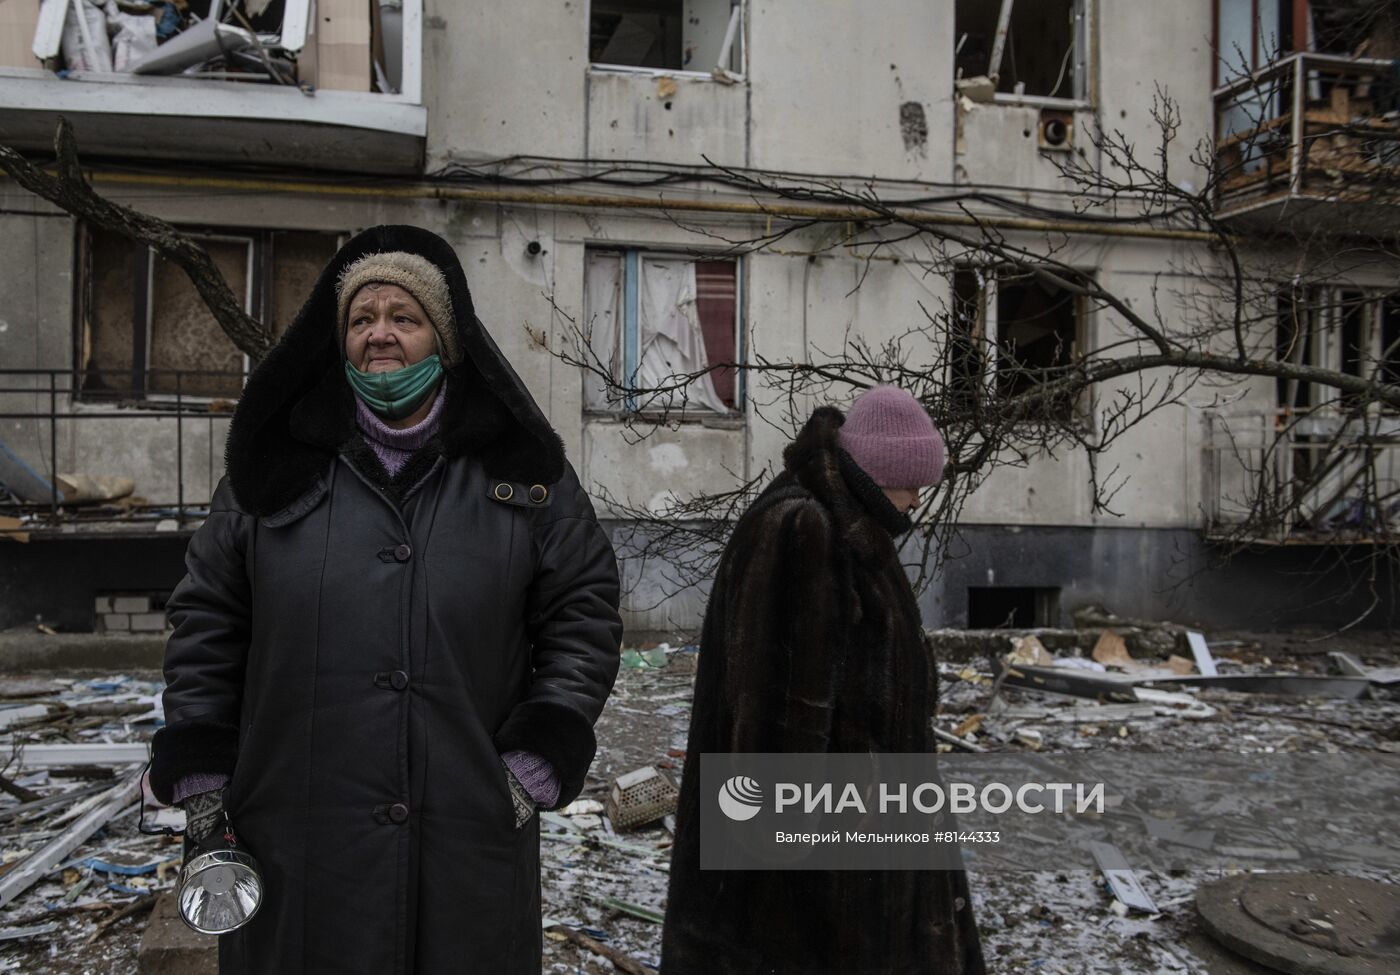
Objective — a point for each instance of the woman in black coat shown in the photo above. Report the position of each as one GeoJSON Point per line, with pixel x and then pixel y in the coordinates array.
{"type": "Point", "coordinates": [812, 642]}
{"type": "Point", "coordinates": [397, 629]}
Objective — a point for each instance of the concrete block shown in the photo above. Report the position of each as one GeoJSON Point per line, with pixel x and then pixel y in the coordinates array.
{"type": "Point", "coordinates": [102, 604]}
{"type": "Point", "coordinates": [148, 622]}
{"type": "Point", "coordinates": [131, 604]}
{"type": "Point", "coordinates": [116, 622]}
{"type": "Point", "coordinates": [169, 947]}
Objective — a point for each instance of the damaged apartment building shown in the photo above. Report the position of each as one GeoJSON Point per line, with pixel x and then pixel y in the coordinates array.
{"type": "Point", "coordinates": [577, 155]}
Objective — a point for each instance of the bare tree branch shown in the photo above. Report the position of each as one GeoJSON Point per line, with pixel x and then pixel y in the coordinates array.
{"type": "Point", "coordinates": [71, 191]}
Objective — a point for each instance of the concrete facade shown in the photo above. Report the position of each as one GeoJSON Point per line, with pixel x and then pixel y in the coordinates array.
{"type": "Point", "coordinates": [828, 90]}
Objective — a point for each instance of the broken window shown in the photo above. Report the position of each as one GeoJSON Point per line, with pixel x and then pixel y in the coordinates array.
{"type": "Point", "coordinates": [1349, 330]}
{"type": "Point", "coordinates": [144, 330]}
{"type": "Point", "coordinates": [1028, 47]}
{"type": "Point", "coordinates": [650, 318]}
{"type": "Point", "coordinates": [668, 35]}
{"type": "Point", "coordinates": [1252, 33]}
{"type": "Point", "coordinates": [1015, 329]}
{"type": "Point", "coordinates": [347, 45]}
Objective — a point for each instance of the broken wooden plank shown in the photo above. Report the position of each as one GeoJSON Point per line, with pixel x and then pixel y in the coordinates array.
{"type": "Point", "coordinates": [51, 854]}
{"type": "Point", "coordinates": [622, 962]}
{"type": "Point", "coordinates": [1121, 879]}
{"type": "Point", "coordinates": [1205, 663]}
{"type": "Point", "coordinates": [1282, 685]}
{"type": "Point", "coordinates": [956, 742]}
{"type": "Point", "coordinates": [1351, 667]}
{"type": "Point", "coordinates": [14, 934]}
{"type": "Point", "coordinates": [18, 791]}
{"type": "Point", "coordinates": [623, 907]}
{"type": "Point", "coordinates": [22, 714]}
{"type": "Point", "coordinates": [1065, 680]}
{"type": "Point", "coordinates": [84, 753]}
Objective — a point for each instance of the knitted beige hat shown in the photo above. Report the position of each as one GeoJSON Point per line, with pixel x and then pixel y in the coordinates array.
{"type": "Point", "coordinates": [419, 277]}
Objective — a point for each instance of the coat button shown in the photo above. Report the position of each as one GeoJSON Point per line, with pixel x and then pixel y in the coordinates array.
{"type": "Point", "coordinates": [403, 552]}
{"type": "Point", "coordinates": [538, 493]}
{"type": "Point", "coordinates": [398, 812]}
{"type": "Point", "coordinates": [398, 680]}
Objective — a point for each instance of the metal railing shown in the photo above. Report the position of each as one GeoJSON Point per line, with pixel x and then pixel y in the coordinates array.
{"type": "Point", "coordinates": [1278, 477]}
{"type": "Point", "coordinates": [1309, 125]}
{"type": "Point", "coordinates": [65, 399]}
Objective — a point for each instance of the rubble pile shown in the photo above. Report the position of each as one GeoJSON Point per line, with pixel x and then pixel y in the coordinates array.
{"type": "Point", "coordinates": [79, 877]}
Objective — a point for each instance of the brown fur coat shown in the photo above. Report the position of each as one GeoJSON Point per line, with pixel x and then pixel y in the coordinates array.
{"type": "Point", "coordinates": [812, 642]}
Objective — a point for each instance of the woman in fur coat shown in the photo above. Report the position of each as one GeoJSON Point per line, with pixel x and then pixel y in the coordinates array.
{"type": "Point", "coordinates": [812, 642]}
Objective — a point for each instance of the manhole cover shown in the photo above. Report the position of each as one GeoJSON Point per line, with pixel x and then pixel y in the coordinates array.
{"type": "Point", "coordinates": [1306, 924]}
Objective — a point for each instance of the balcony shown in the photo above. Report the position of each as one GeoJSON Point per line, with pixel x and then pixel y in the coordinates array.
{"type": "Point", "coordinates": [1311, 145]}
{"type": "Point", "coordinates": [1324, 477]}
{"type": "Point", "coordinates": [341, 91]}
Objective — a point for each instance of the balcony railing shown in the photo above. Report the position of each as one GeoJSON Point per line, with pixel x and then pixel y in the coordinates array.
{"type": "Point", "coordinates": [1330, 476]}
{"type": "Point", "coordinates": [1312, 129]}
{"type": "Point", "coordinates": [170, 447]}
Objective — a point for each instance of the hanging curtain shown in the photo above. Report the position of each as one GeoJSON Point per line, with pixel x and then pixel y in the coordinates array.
{"type": "Point", "coordinates": [671, 341]}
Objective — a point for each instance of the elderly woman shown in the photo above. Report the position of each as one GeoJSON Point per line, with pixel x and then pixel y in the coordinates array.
{"type": "Point", "coordinates": [812, 642]}
{"type": "Point", "coordinates": [397, 629]}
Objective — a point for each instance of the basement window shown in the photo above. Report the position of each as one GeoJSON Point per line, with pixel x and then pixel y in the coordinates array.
{"type": "Point", "coordinates": [1012, 332]}
{"type": "Point", "coordinates": [1012, 607]}
{"type": "Point", "coordinates": [145, 333]}
{"type": "Point", "coordinates": [650, 317]}
{"type": "Point", "coordinates": [703, 36]}
{"type": "Point", "coordinates": [1027, 48]}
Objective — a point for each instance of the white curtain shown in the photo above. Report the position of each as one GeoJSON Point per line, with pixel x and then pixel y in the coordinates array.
{"type": "Point", "coordinates": [671, 341]}
{"type": "Point", "coordinates": [602, 304]}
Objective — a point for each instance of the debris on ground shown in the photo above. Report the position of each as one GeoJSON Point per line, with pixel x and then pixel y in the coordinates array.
{"type": "Point", "coordinates": [77, 876]}
{"type": "Point", "coordinates": [604, 877]}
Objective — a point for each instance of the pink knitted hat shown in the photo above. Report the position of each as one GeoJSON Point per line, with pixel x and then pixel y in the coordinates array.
{"type": "Point", "coordinates": [890, 437]}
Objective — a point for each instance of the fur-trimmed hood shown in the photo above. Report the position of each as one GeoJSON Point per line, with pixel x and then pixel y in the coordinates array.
{"type": "Point", "coordinates": [298, 411]}
{"type": "Point", "coordinates": [815, 461]}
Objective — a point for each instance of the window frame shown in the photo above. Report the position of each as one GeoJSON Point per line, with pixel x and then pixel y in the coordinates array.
{"type": "Point", "coordinates": [1326, 305]}
{"type": "Point", "coordinates": [740, 30]}
{"type": "Point", "coordinates": [989, 350]}
{"type": "Point", "coordinates": [257, 302]}
{"type": "Point", "coordinates": [629, 334]}
{"type": "Point", "coordinates": [253, 290]}
{"type": "Point", "coordinates": [1085, 90]}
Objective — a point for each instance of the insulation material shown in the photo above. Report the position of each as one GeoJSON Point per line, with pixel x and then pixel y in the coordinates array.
{"type": "Point", "coordinates": [342, 45]}
{"type": "Point", "coordinates": [602, 302]}
{"type": "Point", "coordinates": [133, 36]}
{"type": "Point", "coordinates": [85, 46]}
{"type": "Point", "coordinates": [671, 342]}
{"type": "Point", "coordinates": [18, 20]}
{"type": "Point", "coordinates": [184, 334]}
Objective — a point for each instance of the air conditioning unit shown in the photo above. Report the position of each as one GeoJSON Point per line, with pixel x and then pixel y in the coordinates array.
{"type": "Point", "coordinates": [1056, 130]}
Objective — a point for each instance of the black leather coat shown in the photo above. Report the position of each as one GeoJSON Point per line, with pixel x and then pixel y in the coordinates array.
{"type": "Point", "coordinates": [357, 650]}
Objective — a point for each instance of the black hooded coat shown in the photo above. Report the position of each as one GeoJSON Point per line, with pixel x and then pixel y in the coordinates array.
{"type": "Point", "coordinates": [812, 642]}
{"type": "Point", "coordinates": [356, 650]}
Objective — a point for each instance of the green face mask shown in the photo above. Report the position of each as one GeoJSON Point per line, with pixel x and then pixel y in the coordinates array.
{"type": "Point", "coordinates": [398, 393]}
